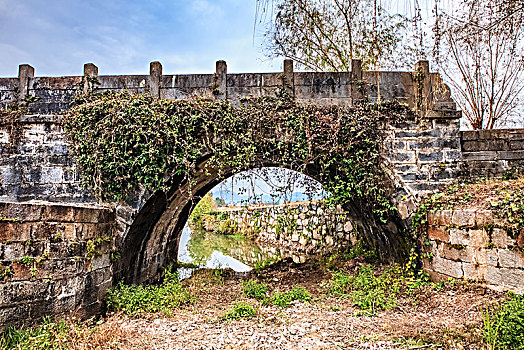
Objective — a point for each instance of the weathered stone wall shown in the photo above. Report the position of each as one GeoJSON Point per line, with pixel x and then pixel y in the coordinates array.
{"type": "Point", "coordinates": [299, 228]}
{"type": "Point", "coordinates": [476, 245]}
{"type": "Point", "coordinates": [35, 163]}
{"type": "Point", "coordinates": [491, 152]}
{"type": "Point", "coordinates": [54, 260]}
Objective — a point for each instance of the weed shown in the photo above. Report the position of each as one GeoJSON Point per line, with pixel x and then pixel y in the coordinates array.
{"type": "Point", "coordinates": [226, 227]}
{"type": "Point", "coordinates": [136, 300]}
{"type": "Point", "coordinates": [49, 335]}
{"type": "Point", "coordinates": [367, 291]}
{"type": "Point", "coordinates": [240, 310]}
{"type": "Point", "coordinates": [261, 265]}
{"type": "Point", "coordinates": [504, 328]}
{"type": "Point", "coordinates": [6, 272]}
{"type": "Point", "coordinates": [60, 335]}
{"type": "Point", "coordinates": [284, 299]}
{"type": "Point", "coordinates": [254, 289]}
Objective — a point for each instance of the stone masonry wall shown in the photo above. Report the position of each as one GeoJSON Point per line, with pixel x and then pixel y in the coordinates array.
{"type": "Point", "coordinates": [35, 163]}
{"type": "Point", "coordinates": [491, 152]}
{"type": "Point", "coordinates": [298, 228]}
{"type": "Point", "coordinates": [474, 244]}
{"type": "Point", "coordinates": [54, 260]}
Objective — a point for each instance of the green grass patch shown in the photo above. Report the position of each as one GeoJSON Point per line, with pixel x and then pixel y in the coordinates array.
{"type": "Point", "coordinates": [285, 298]}
{"type": "Point", "coordinates": [367, 290]}
{"type": "Point", "coordinates": [504, 326]}
{"type": "Point", "coordinates": [136, 300]}
{"type": "Point", "coordinates": [254, 289]}
{"type": "Point", "coordinates": [240, 310]}
{"type": "Point", "coordinates": [49, 335]}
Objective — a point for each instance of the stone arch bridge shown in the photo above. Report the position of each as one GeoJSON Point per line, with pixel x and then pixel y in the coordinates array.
{"type": "Point", "coordinates": [60, 250]}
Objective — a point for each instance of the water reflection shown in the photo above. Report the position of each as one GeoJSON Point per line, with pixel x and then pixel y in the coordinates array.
{"type": "Point", "coordinates": [209, 250]}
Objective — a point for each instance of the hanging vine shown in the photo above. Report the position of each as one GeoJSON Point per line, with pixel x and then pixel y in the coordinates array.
{"type": "Point", "coordinates": [122, 141]}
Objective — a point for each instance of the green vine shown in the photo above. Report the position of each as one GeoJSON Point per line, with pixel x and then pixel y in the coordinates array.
{"type": "Point", "coordinates": [124, 141]}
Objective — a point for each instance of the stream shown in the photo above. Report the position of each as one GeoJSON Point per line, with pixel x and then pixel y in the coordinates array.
{"type": "Point", "coordinates": [215, 251]}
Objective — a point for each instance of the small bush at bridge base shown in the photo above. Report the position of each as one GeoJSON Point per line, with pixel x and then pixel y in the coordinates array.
{"type": "Point", "coordinates": [136, 300]}
{"type": "Point", "coordinates": [504, 329]}
{"type": "Point", "coordinates": [285, 299]}
{"type": "Point", "coordinates": [254, 289]}
{"type": "Point", "coordinates": [240, 310]}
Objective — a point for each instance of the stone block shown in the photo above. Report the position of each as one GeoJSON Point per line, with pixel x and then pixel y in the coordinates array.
{"type": "Point", "coordinates": [478, 238]}
{"type": "Point", "coordinates": [12, 251]}
{"type": "Point", "coordinates": [459, 236]}
{"type": "Point", "coordinates": [59, 213]}
{"type": "Point", "coordinates": [8, 175]}
{"type": "Point", "coordinates": [452, 155]}
{"type": "Point", "coordinates": [520, 239]}
{"type": "Point", "coordinates": [23, 292]}
{"type": "Point", "coordinates": [436, 156]}
{"type": "Point", "coordinates": [500, 238]}
{"type": "Point", "coordinates": [14, 315]}
{"type": "Point", "coordinates": [21, 272]}
{"type": "Point", "coordinates": [464, 218]}
{"type": "Point", "coordinates": [447, 267]}
{"type": "Point", "coordinates": [511, 258]}
{"type": "Point", "coordinates": [101, 262]}
{"type": "Point", "coordinates": [507, 279]}
{"type": "Point", "coordinates": [15, 231]}
{"type": "Point", "coordinates": [348, 226]}
{"type": "Point", "coordinates": [440, 217]}
{"type": "Point", "coordinates": [448, 251]}
{"type": "Point", "coordinates": [438, 233]}
{"type": "Point", "coordinates": [21, 212]}
{"type": "Point", "coordinates": [404, 156]}
{"type": "Point", "coordinates": [484, 218]}
{"type": "Point", "coordinates": [474, 271]}
{"type": "Point", "coordinates": [43, 230]}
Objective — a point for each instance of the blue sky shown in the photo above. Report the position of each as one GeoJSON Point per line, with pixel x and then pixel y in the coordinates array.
{"type": "Point", "coordinates": [122, 36]}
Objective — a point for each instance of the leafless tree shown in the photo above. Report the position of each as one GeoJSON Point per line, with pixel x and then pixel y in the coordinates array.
{"type": "Point", "coordinates": [482, 60]}
{"type": "Point", "coordinates": [328, 34]}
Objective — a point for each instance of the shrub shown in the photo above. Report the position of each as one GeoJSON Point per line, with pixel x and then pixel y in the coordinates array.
{"type": "Point", "coordinates": [135, 300]}
{"type": "Point", "coordinates": [49, 335]}
{"type": "Point", "coordinates": [505, 328]}
{"type": "Point", "coordinates": [240, 310]}
{"type": "Point", "coordinates": [367, 291]}
{"type": "Point", "coordinates": [284, 299]}
{"type": "Point", "coordinates": [226, 227]}
{"type": "Point", "coordinates": [254, 289]}
{"type": "Point", "coordinates": [203, 208]}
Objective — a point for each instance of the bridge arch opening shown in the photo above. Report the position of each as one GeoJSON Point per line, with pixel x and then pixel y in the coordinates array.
{"type": "Point", "coordinates": [251, 219]}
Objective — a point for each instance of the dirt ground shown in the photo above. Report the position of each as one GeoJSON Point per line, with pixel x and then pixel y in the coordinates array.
{"type": "Point", "coordinates": [448, 318]}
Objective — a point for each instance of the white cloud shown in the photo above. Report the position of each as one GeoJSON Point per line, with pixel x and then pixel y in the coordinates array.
{"type": "Point", "coordinates": [206, 12]}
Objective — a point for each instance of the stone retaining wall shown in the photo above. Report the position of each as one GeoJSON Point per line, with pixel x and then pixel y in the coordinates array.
{"type": "Point", "coordinates": [474, 245]}
{"type": "Point", "coordinates": [54, 260]}
{"type": "Point", "coordinates": [491, 152]}
{"type": "Point", "coordinates": [297, 228]}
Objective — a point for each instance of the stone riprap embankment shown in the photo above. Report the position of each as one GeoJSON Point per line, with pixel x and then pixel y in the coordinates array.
{"type": "Point", "coordinates": [298, 229]}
